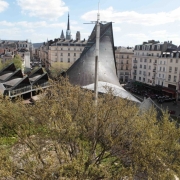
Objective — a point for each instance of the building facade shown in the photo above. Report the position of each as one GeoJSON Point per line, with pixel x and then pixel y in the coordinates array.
{"type": "Point", "coordinates": [63, 51]}
{"type": "Point", "coordinates": [157, 64]}
{"type": "Point", "coordinates": [146, 61]}
{"type": "Point", "coordinates": [123, 57]}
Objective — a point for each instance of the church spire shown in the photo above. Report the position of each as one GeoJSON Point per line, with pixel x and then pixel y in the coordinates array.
{"type": "Point", "coordinates": [68, 31]}
{"type": "Point", "coordinates": [62, 35]}
{"type": "Point", "coordinates": [68, 24]}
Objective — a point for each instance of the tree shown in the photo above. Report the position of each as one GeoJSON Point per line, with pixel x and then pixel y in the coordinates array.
{"type": "Point", "coordinates": [16, 60]}
{"type": "Point", "coordinates": [65, 136]}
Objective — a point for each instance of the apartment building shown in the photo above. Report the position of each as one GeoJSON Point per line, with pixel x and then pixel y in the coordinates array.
{"type": "Point", "coordinates": [168, 74]}
{"type": "Point", "coordinates": [145, 61]}
{"type": "Point", "coordinates": [123, 57]}
{"type": "Point", "coordinates": [157, 64]}
{"type": "Point", "coordinates": [62, 51]}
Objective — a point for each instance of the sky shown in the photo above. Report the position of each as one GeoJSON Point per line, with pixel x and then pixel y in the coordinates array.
{"type": "Point", "coordinates": [134, 21]}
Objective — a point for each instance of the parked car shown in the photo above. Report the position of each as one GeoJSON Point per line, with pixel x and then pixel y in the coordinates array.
{"type": "Point", "coordinates": [171, 112]}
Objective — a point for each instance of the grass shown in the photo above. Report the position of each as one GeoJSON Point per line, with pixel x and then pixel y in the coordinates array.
{"type": "Point", "coordinates": [7, 141]}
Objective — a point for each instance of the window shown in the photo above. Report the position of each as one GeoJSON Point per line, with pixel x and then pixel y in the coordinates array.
{"type": "Point", "coordinates": [74, 54]}
{"type": "Point", "coordinates": [144, 66]}
{"type": "Point", "coordinates": [140, 60]}
{"type": "Point", "coordinates": [149, 74]}
{"type": "Point", "coordinates": [170, 69]}
{"type": "Point", "coordinates": [61, 49]}
{"type": "Point", "coordinates": [176, 60]}
{"type": "Point", "coordinates": [74, 49]}
{"type": "Point", "coordinates": [176, 69]}
{"type": "Point", "coordinates": [122, 56]}
{"type": "Point", "coordinates": [127, 56]}
{"type": "Point", "coordinates": [150, 61]}
{"type": "Point", "coordinates": [158, 47]}
{"type": "Point", "coordinates": [159, 75]}
{"type": "Point", "coordinates": [145, 60]}
{"type": "Point", "coordinates": [126, 67]}
{"type": "Point", "coordinates": [149, 67]}
{"type": "Point", "coordinates": [140, 78]}
{"type": "Point", "coordinates": [143, 79]}
{"type": "Point", "coordinates": [68, 49]}
{"type": "Point", "coordinates": [68, 54]}
{"type": "Point", "coordinates": [68, 60]}
{"type": "Point", "coordinates": [140, 65]}
{"type": "Point", "coordinates": [177, 55]}
{"type": "Point", "coordinates": [61, 54]}
{"type": "Point", "coordinates": [163, 68]}
{"type": "Point", "coordinates": [61, 59]}
{"type": "Point", "coordinates": [169, 78]}
{"type": "Point", "coordinates": [175, 78]}
{"type": "Point", "coordinates": [139, 72]}
{"type": "Point", "coordinates": [160, 62]}
{"type": "Point", "coordinates": [171, 60]}
{"type": "Point", "coordinates": [160, 68]}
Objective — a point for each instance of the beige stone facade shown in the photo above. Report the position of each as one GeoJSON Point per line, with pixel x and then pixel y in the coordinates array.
{"type": "Point", "coordinates": [123, 57]}
{"type": "Point", "coordinates": [61, 51]}
{"type": "Point", "coordinates": [146, 61]}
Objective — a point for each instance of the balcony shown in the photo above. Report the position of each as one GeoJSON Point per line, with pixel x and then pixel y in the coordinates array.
{"type": "Point", "coordinates": [154, 70]}
{"type": "Point", "coordinates": [135, 73]}
{"type": "Point", "coordinates": [135, 67]}
{"type": "Point", "coordinates": [135, 61]}
{"type": "Point", "coordinates": [155, 63]}
{"type": "Point", "coordinates": [153, 77]}
{"type": "Point", "coordinates": [28, 89]}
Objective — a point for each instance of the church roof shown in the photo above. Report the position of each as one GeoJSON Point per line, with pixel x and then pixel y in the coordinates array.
{"type": "Point", "coordinates": [82, 72]}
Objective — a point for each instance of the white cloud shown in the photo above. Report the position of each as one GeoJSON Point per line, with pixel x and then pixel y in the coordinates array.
{"type": "Point", "coordinates": [34, 25]}
{"type": "Point", "coordinates": [134, 17]}
{"type": "Point", "coordinates": [116, 29]}
{"type": "Point", "coordinates": [5, 23]}
{"type": "Point", "coordinates": [3, 5]}
{"type": "Point", "coordinates": [46, 9]}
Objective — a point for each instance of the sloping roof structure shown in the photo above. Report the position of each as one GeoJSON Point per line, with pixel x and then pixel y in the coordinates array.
{"type": "Point", "coordinates": [38, 77]}
{"type": "Point", "coordinates": [13, 83]}
{"type": "Point", "coordinates": [82, 72]}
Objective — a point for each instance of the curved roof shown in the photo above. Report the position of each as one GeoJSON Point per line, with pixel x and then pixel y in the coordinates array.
{"type": "Point", "coordinates": [82, 72]}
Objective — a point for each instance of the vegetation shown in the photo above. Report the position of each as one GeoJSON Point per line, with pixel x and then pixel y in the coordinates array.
{"type": "Point", "coordinates": [64, 136]}
{"type": "Point", "coordinates": [16, 60]}
{"type": "Point", "coordinates": [57, 68]}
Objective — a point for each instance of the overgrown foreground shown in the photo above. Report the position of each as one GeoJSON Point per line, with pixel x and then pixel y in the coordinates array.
{"type": "Point", "coordinates": [64, 136]}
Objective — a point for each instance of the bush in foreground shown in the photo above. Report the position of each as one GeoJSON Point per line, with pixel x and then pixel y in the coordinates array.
{"type": "Point", "coordinates": [64, 136]}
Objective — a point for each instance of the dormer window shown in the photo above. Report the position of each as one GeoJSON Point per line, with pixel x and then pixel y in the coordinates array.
{"type": "Point", "coordinates": [158, 47]}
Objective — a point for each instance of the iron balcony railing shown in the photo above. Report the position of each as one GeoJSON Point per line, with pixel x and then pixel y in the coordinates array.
{"type": "Point", "coordinates": [27, 88]}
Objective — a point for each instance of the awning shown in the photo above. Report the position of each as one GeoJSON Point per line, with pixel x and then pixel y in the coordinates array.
{"type": "Point", "coordinates": [168, 91]}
